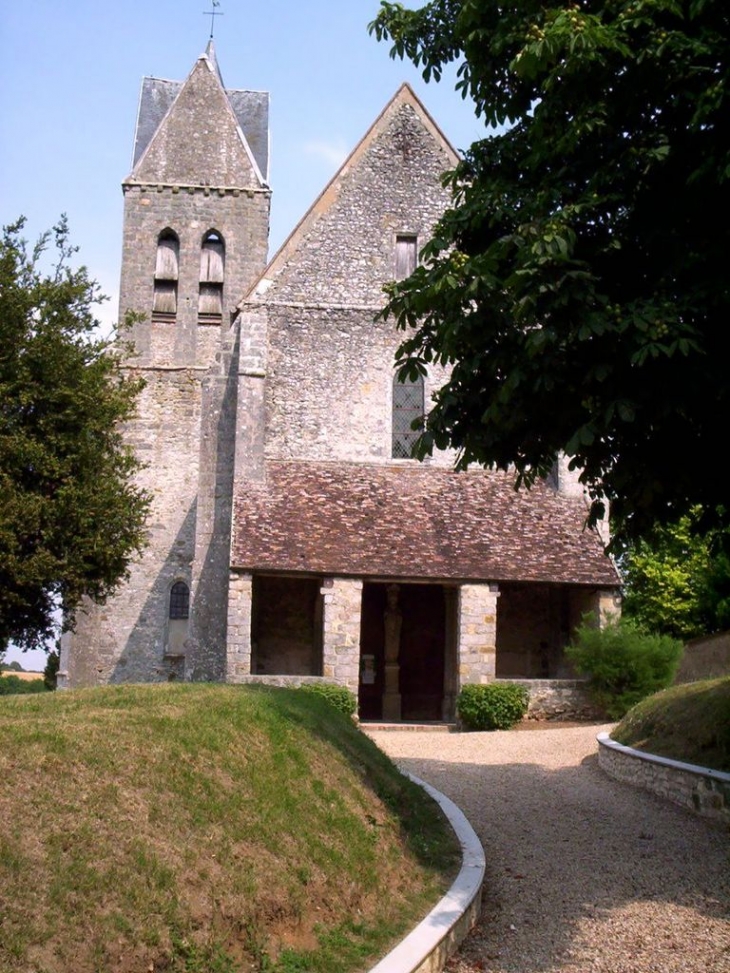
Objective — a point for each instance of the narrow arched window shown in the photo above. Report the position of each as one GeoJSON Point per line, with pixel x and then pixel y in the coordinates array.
{"type": "Point", "coordinates": [212, 268]}
{"type": "Point", "coordinates": [408, 410]}
{"type": "Point", "coordinates": [179, 600]}
{"type": "Point", "coordinates": [164, 306]}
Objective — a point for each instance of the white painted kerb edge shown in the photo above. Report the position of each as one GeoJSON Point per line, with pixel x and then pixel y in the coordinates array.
{"type": "Point", "coordinates": [411, 952]}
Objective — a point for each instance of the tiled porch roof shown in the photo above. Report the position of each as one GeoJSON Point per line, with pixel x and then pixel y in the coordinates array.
{"type": "Point", "coordinates": [409, 521]}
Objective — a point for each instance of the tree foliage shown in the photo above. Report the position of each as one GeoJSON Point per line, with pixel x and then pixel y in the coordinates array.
{"type": "Point", "coordinates": [71, 515]}
{"type": "Point", "coordinates": [577, 286]}
{"type": "Point", "coordinates": [678, 579]}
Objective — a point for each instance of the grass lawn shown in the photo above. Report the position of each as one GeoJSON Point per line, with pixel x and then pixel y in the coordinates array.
{"type": "Point", "coordinates": [689, 722]}
{"type": "Point", "coordinates": [205, 829]}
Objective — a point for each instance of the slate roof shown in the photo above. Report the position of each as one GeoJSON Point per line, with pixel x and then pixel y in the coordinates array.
{"type": "Point", "coordinates": [414, 522]}
{"type": "Point", "coordinates": [251, 109]}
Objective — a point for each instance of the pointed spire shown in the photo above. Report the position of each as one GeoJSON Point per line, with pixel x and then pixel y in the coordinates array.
{"type": "Point", "coordinates": [210, 54]}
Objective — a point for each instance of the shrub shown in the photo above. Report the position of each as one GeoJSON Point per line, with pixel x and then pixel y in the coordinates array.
{"type": "Point", "coordinates": [13, 686]}
{"type": "Point", "coordinates": [339, 696]}
{"type": "Point", "coordinates": [496, 706]}
{"type": "Point", "coordinates": [625, 663]}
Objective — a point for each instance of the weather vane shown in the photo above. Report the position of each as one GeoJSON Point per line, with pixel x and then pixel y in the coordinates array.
{"type": "Point", "coordinates": [213, 14]}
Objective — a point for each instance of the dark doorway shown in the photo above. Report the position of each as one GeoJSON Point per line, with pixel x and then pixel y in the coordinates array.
{"type": "Point", "coordinates": [286, 626]}
{"type": "Point", "coordinates": [421, 655]}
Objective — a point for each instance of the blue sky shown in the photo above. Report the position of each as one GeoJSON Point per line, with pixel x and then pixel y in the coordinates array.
{"type": "Point", "coordinates": [70, 76]}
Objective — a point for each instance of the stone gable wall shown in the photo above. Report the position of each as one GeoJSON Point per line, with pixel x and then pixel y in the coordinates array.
{"type": "Point", "coordinates": [348, 251]}
{"type": "Point", "coordinates": [330, 368]}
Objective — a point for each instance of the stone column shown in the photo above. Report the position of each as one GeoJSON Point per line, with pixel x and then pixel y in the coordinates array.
{"type": "Point", "coordinates": [477, 633]}
{"type": "Point", "coordinates": [238, 650]}
{"type": "Point", "coordinates": [607, 605]}
{"type": "Point", "coordinates": [341, 631]}
{"type": "Point", "coordinates": [392, 622]}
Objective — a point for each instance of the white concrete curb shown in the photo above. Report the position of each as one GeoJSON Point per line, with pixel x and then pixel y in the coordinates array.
{"type": "Point", "coordinates": [434, 939]}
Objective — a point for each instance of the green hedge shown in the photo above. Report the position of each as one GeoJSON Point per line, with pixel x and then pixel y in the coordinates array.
{"type": "Point", "coordinates": [496, 706]}
{"type": "Point", "coordinates": [339, 696]}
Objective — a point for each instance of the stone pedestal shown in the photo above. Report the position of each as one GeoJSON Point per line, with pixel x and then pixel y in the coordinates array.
{"type": "Point", "coordinates": [391, 696]}
{"type": "Point", "coordinates": [392, 621]}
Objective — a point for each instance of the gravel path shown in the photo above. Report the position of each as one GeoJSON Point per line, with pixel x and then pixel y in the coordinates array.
{"type": "Point", "coordinates": [584, 874]}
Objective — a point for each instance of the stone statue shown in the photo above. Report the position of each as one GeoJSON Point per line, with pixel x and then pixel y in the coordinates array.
{"type": "Point", "coordinates": [393, 621]}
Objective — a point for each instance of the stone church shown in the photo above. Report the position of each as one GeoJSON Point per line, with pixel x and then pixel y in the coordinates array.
{"type": "Point", "coordinates": [292, 538]}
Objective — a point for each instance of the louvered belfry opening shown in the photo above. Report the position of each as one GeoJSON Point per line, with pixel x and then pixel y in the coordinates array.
{"type": "Point", "coordinates": [212, 268]}
{"type": "Point", "coordinates": [164, 304]}
{"type": "Point", "coordinates": [408, 408]}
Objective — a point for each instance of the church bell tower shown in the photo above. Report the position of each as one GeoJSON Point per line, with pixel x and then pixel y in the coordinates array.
{"type": "Point", "coordinates": [196, 221]}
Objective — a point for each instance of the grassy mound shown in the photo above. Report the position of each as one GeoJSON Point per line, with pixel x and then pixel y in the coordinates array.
{"type": "Point", "coordinates": [689, 722]}
{"type": "Point", "coordinates": [205, 828]}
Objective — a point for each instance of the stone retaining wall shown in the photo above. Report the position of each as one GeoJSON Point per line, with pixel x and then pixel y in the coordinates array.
{"type": "Point", "coordinates": [707, 792]}
{"type": "Point", "coordinates": [558, 699]}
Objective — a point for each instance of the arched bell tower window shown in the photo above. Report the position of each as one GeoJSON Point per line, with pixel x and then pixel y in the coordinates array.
{"type": "Point", "coordinates": [408, 408]}
{"type": "Point", "coordinates": [164, 306]}
{"type": "Point", "coordinates": [212, 267]}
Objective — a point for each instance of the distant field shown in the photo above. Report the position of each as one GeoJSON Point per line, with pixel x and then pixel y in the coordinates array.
{"type": "Point", "coordinates": [25, 676]}
{"type": "Point", "coordinates": [205, 829]}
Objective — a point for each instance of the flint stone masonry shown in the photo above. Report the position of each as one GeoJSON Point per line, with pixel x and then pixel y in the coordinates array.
{"type": "Point", "coordinates": [707, 792]}
{"type": "Point", "coordinates": [330, 384]}
{"type": "Point", "coordinates": [125, 639]}
{"type": "Point", "coordinates": [347, 249]}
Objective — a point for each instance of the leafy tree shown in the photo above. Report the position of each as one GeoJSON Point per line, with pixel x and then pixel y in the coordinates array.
{"type": "Point", "coordinates": [678, 579]}
{"type": "Point", "coordinates": [71, 515]}
{"type": "Point", "coordinates": [665, 575]}
{"type": "Point", "coordinates": [578, 283]}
